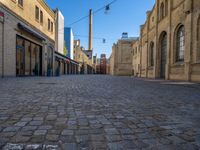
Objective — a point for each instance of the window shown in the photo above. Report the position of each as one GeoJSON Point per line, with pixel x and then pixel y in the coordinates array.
{"type": "Point", "coordinates": [180, 44]}
{"type": "Point", "coordinates": [152, 19]}
{"type": "Point", "coordinates": [41, 17]}
{"type": "Point", "coordinates": [49, 25]}
{"type": "Point", "coordinates": [166, 7]}
{"type": "Point", "coordinates": [161, 11]}
{"type": "Point", "coordinates": [36, 13]}
{"type": "Point", "coordinates": [151, 54]}
{"type": "Point", "coordinates": [198, 39]}
{"type": "Point", "coordinates": [20, 2]}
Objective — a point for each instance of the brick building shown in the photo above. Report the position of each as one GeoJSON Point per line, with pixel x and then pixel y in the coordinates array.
{"type": "Point", "coordinates": [103, 64]}
{"type": "Point", "coordinates": [169, 41]}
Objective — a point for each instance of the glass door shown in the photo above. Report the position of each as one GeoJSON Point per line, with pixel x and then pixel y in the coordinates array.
{"type": "Point", "coordinates": [20, 62]}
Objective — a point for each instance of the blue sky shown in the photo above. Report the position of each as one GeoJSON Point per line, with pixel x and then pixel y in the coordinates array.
{"type": "Point", "coordinates": [124, 16]}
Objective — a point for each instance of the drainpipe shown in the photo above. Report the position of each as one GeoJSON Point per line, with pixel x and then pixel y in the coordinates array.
{"type": "Point", "coordinates": [3, 47]}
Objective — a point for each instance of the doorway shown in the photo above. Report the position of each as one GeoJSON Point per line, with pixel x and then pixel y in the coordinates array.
{"type": "Point", "coordinates": [163, 54]}
{"type": "Point", "coordinates": [28, 58]}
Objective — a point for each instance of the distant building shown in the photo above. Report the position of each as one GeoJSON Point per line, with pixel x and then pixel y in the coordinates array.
{"type": "Point", "coordinates": [98, 66]}
{"type": "Point", "coordinates": [69, 42]}
{"type": "Point", "coordinates": [121, 57]}
{"type": "Point", "coordinates": [59, 29]}
{"type": "Point", "coordinates": [82, 58]}
{"type": "Point", "coordinates": [103, 64]}
{"type": "Point", "coordinates": [108, 66]}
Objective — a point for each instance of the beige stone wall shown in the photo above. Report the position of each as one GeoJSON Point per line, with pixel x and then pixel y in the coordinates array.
{"type": "Point", "coordinates": [176, 13]}
{"type": "Point", "coordinates": [81, 57]}
{"type": "Point", "coordinates": [27, 12]}
{"type": "Point", "coordinates": [136, 58]}
{"type": "Point", "coordinates": [112, 60]}
{"type": "Point", "coordinates": [9, 45]}
{"type": "Point", "coordinates": [121, 58]}
{"type": "Point", "coordinates": [11, 31]}
{"type": "Point", "coordinates": [195, 65]}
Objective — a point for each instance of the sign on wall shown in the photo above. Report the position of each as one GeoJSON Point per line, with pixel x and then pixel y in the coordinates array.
{"type": "Point", "coordinates": [1, 16]}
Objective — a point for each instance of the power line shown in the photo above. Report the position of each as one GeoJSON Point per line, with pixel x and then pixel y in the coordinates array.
{"type": "Point", "coordinates": [105, 7]}
{"type": "Point", "coordinates": [94, 37]}
{"type": "Point", "coordinates": [96, 11]}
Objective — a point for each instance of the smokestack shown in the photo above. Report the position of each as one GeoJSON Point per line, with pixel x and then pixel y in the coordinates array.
{"type": "Point", "coordinates": [90, 31]}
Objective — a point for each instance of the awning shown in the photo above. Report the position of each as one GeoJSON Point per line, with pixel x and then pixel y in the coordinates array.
{"type": "Point", "coordinates": [32, 32]}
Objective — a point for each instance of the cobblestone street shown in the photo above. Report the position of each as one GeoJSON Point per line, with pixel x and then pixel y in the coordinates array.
{"type": "Point", "coordinates": [98, 112]}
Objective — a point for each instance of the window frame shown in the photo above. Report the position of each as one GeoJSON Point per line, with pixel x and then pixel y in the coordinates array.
{"type": "Point", "coordinates": [52, 26]}
{"type": "Point", "coordinates": [37, 13]}
{"type": "Point", "coordinates": [49, 24]}
{"type": "Point", "coordinates": [180, 43]}
{"type": "Point", "coordinates": [20, 3]}
{"type": "Point", "coordinates": [41, 17]}
{"type": "Point", "coordinates": [151, 54]}
{"type": "Point", "coordinates": [166, 7]}
{"type": "Point", "coordinates": [162, 11]}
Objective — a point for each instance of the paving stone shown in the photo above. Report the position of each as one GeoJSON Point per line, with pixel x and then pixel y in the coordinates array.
{"type": "Point", "coordinates": [34, 147]}
{"type": "Point", "coordinates": [13, 147]}
{"type": "Point", "coordinates": [97, 137]}
{"type": "Point", "coordinates": [70, 146]}
{"type": "Point", "coordinates": [47, 127]}
{"type": "Point", "coordinates": [67, 132]}
{"type": "Point", "coordinates": [35, 123]}
{"type": "Point", "coordinates": [40, 132]}
{"type": "Point", "coordinates": [113, 138]}
{"type": "Point", "coordinates": [20, 139]}
{"type": "Point", "coordinates": [52, 137]}
{"type": "Point", "coordinates": [21, 124]}
{"type": "Point", "coordinates": [111, 131]}
{"type": "Point", "coordinates": [115, 146]}
{"type": "Point", "coordinates": [81, 138]}
{"type": "Point", "coordinates": [11, 129]}
{"type": "Point", "coordinates": [109, 112]}
{"type": "Point", "coordinates": [51, 117]}
{"type": "Point", "coordinates": [29, 128]}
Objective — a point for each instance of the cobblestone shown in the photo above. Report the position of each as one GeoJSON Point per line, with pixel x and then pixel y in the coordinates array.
{"type": "Point", "coordinates": [98, 112]}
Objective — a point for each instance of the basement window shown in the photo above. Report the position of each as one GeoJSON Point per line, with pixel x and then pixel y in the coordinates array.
{"type": "Point", "coordinates": [21, 3]}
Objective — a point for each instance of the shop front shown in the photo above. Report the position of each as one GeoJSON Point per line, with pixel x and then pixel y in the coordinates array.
{"type": "Point", "coordinates": [28, 58]}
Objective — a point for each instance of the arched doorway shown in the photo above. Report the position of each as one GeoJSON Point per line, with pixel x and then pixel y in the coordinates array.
{"type": "Point", "coordinates": [163, 54]}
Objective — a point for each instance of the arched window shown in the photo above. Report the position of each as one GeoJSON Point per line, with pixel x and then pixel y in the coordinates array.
{"type": "Point", "coordinates": [180, 43]}
{"type": "Point", "coordinates": [198, 39]}
{"type": "Point", "coordinates": [166, 7]}
{"type": "Point", "coordinates": [136, 50]}
{"type": "Point", "coordinates": [162, 11]}
{"type": "Point", "coordinates": [151, 54]}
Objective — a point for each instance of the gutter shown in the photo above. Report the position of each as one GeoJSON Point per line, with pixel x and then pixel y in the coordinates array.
{"type": "Point", "coordinates": [2, 21]}
{"type": "Point", "coordinates": [3, 50]}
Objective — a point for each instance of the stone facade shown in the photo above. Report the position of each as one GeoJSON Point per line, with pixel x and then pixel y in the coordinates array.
{"type": "Point", "coordinates": [136, 58]}
{"type": "Point", "coordinates": [168, 46]}
{"type": "Point", "coordinates": [121, 57]}
{"type": "Point", "coordinates": [81, 57]}
{"type": "Point", "coordinates": [169, 41]}
{"type": "Point", "coordinates": [20, 21]}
